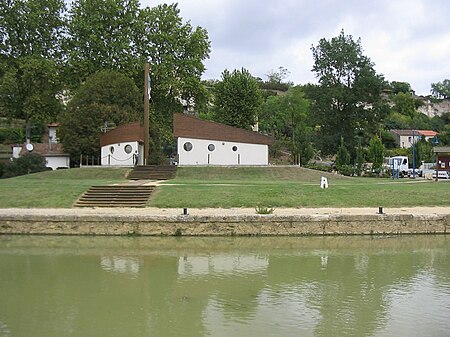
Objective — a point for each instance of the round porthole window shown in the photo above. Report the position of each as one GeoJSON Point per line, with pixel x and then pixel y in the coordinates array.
{"type": "Point", "coordinates": [128, 149]}
{"type": "Point", "coordinates": [187, 146]}
{"type": "Point", "coordinates": [111, 149]}
{"type": "Point", "coordinates": [234, 148]}
{"type": "Point", "coordinates": [211, 147]}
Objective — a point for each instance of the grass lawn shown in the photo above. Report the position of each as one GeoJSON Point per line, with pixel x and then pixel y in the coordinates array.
{"type": "Point", "coordinates": [293, 187]}
{"type": "Point", "coordinates": [54, 189]}
{"type": "Point", "coordinates": [229, 187]}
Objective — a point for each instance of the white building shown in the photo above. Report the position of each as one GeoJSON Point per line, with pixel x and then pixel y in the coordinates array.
{"type": "Point", "coordinates": [201, 142]}
{"type": "Point", "coordinates": [406, 138]}
{"type": "Point", "coordinates": [123, 146]}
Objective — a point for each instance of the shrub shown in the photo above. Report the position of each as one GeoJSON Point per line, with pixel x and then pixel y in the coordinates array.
{"type": "Point", "coordinates": [263, 210]}
{"type": "Point", "coordinates": [29, 163]}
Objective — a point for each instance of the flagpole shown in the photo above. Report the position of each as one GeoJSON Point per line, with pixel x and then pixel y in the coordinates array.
{"type": "Point", "coordinates": [146, 111]}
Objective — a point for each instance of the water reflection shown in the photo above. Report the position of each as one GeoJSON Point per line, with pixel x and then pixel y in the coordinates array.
{"type": "Point", "coordinates": [99, 286]}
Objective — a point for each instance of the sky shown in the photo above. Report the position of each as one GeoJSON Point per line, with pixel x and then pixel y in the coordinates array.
{"type": "Point", "coordinates": [408, 40]}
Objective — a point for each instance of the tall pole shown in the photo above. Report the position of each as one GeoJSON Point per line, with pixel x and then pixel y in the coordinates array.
{"type": "Point", "coordinates": [146, 111]}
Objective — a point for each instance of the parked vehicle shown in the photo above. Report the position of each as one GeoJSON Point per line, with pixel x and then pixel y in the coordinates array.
{"type": "Point", "coordinates": [441, 175]}
{"type": "Point", "coordinates": [399, 165]}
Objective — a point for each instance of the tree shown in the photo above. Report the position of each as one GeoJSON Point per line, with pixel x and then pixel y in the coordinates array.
{"type": "Point", "coordinates": [106, 97]}
{"type": "Point", "coordinates": [359, 161]}
{"type": "Point", "coordinates": [376, 153]}
{"type": "Point", "coordinates": [176, 52]}
{"type": "Point", "coordinates": [29, 91]}
{"type": "Point", "coordinates": [32, 27]}
{"type": "Point", "coordinates": [237, 99]}
{"type": "Point", "coordinates": [31, 34]}
{"type": "Point", "coordinates": [285, 117]}
{"type": "Point", "coordinates": [441, 89]}
{"type": "Point", "coordinates": [400, 87]}
{"type": "Point", "coordinates": [348, 96]}
{"type": "Point", "coordinates": [102, 36]}
{"type": "Point", "coordinates": [342, 156]}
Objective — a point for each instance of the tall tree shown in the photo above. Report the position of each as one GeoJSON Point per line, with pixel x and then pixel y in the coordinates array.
{"type": "Point", "coordinates": [106, 97]}
{"type": "Point", "coordinates": [31, 33]}
{"type": "Point", "coordinates": [237, 99]}
{"type": "Point", "coordinates": [376, 153]}
{"type": "Point", "coordinates": [176, 52]}
{"type": "Point", "coordinates": [348, 96]}
{"type": "Point", "coordinates": [285, 117]}
{"type": "Point", "coordinates": [101, 36]}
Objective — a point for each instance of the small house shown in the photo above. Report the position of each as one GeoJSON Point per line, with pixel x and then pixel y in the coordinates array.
{"type": "Point", "coordinates": [406, 138]}
{"type": "Point", "coordinates": [123, 146]}
{"type": "Point", "coordinates": [49, 148]}
{"type": "Point", "coordinates": [201, 142]}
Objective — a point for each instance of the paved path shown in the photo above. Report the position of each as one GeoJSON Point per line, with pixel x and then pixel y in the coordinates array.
{"type": "Point", "coordinates": [220, 212]}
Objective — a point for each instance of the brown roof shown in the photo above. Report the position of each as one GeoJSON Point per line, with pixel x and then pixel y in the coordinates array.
{"type": "Point", "coordinates": [46, 149]}
{"type": "Point", "coordinates": [132, 132]}
{"type": "Point", "coordinates": [193, 127]}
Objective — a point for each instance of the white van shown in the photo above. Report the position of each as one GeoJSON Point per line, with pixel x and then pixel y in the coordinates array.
{"type": "Point", "coordinates": [441, 175]}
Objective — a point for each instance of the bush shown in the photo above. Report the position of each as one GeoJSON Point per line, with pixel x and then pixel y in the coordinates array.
{"type": "Point", "coordinates": [347, 170]}
{"type": "Point", "coordinates": [29, 163]}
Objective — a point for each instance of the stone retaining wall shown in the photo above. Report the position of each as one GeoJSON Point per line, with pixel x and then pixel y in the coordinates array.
{"type": "Point", "coordinates": [261, 225]}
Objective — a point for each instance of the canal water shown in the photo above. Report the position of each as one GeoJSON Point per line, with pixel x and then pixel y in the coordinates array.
{"type": "Point", "coordinates": [295, 286]}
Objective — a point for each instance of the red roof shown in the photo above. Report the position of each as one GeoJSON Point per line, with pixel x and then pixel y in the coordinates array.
{"type": "Point", "coordinates": [428, 133]}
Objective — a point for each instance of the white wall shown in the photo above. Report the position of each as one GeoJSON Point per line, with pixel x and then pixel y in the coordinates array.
{"type": "Point", "coordinates": [115, 155]}
{"type": "Point", "coordinates": [54, 162]}
{"type": "Point", "coordinates": [223, 154]}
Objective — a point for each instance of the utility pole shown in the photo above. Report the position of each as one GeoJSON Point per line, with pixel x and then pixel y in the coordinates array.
{"type": "Point", "coordinates": [146, 111]}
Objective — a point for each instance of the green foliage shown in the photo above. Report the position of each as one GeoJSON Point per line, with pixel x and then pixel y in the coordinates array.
{"type": "Point", "coordinates": [237, 99]}
{"type": "Point", "coordinates": [101, 36]}
{"type": "Point", "coordinates": [376, 153]}
{"type": "Point", "coordinates": [424, 151]}
{"type": "Point", "coordinates": [29, 163]}
{"type": "Point", "coordinates": [176, 51]}
{"type": "Point", "coordinates": [263, 209]}
{"type": "Point", "coordinates": [31, 28]}
{"type": "Point", "coordinates": [359, 161]}
{"type": "Point", "coordinates": [348, 96]}
{"type": "Point", "coordinates": [107, 96]}
{"type": "Point", "coordinates": [405, 104]}
{"type": "Point", "coordinates": [400, 87]}
{"type": "Point", "coordinates": [342, 156]}
{"type": "Point", "coordinates": [285, 117]}
{"type": "Point", "coordinates": [441, 89]}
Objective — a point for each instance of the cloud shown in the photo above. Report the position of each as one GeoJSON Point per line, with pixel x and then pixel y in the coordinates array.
{"type": "Point", "coordinates": [408, 40]}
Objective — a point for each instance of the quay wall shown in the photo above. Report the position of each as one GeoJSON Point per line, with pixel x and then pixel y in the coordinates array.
{"type": "Point", "coordinates": [239, 225]}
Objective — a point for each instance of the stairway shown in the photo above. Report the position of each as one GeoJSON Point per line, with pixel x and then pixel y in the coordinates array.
{"type": "Point", "coordinates": [153, 172]}
{"type": "Point", "coordinates": [115, 196]}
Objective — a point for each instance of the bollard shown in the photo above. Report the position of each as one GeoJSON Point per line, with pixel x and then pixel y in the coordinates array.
{"type": "Point", "coordinates": [185, 211]}
{"type": "Point", "coordinates": [380, 210]}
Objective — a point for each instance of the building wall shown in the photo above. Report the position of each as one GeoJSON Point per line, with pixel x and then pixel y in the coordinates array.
{"type": "Point", "coordinates": [443, 162]}
{"type": "Point", "coordinates": [214, 152]}
{"type": "Point", "coordinates": [55, 161]}
{"type": "Point", "coordinates": [121, 154]}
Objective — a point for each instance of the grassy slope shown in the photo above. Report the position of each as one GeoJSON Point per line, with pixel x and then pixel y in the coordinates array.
{"type": "Point", "coordinates": [293, 187]}
{"type": "Point", "coordinates": [230, 187]}
{"type": "Point", "coordinates": [52, 189]}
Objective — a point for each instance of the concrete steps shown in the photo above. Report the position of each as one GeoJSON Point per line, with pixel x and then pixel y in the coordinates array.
{"type": "Point", "coordinates": [153, 172]}
{"type": "Point", "coordinates": [115, 196]}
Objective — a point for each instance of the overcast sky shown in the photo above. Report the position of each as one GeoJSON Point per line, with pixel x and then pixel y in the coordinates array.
{"type": "Point", "coordinates": [408, 40]}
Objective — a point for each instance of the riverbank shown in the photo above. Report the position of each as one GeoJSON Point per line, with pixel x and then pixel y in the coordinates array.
{"type": "Point", "coordinates": [225, 222]}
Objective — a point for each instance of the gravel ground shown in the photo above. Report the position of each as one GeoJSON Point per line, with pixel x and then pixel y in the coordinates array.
{"type": "Point", "coordinates": [161, 212]}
